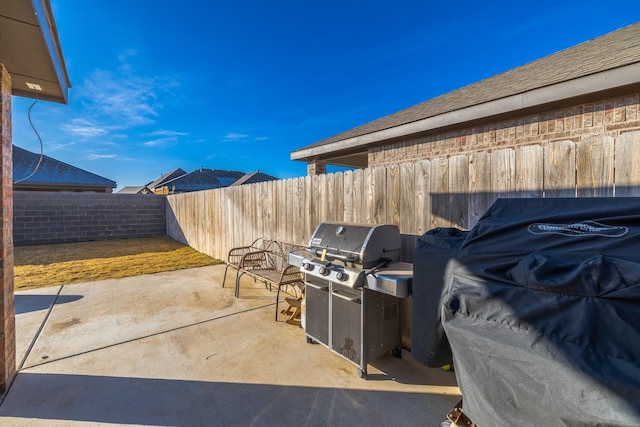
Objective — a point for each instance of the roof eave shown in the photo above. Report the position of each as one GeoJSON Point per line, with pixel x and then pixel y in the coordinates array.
{"type": "Point", "coordinates": [53, 79]}
{"type": "Point", "coordinates": [51, 39]}
{"type": "Point", "coordinates": [61, 186]}
{"type": "Point", "coordinates": [580, 87]}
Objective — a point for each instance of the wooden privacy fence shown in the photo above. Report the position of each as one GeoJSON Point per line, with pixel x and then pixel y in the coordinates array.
{"type": "Point", "coordinates": [443, 192]}
{"type": "Point", "coordinates": [419, 196]}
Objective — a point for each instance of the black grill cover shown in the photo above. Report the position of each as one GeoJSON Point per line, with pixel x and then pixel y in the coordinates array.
{"type": "Point", "coordinates": [542, 310]}
{"type": "Point", "coordinates": [434, 254]}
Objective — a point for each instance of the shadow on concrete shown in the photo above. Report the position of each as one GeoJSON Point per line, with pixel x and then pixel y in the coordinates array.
{"type": "Point", "coordinates": [170, 402]}
{"type": "Point", "coordinates": [402, 376]}
{"type": "Point", "coordinates": [28, 303]}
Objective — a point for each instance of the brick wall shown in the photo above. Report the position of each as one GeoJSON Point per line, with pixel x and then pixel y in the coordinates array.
{"type": "Point", "coordinates": [316, 167]}
{"type": "Point", "coordinates": [42, 218]}
{"type": "Point", "coordinates": [609, 117]}
{"type": "Point", "coordinates": [7, 310]}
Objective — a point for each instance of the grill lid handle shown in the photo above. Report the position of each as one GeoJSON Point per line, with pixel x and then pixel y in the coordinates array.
{"type": "Point", "coordinates": [341, 257]}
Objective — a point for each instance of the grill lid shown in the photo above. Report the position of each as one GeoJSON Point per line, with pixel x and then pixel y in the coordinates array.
{"type": "Point", "coordinates": [356, 243]}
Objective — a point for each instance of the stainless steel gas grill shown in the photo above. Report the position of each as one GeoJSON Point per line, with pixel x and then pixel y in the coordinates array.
{"type": "Point", "coordinates": [353, 282]}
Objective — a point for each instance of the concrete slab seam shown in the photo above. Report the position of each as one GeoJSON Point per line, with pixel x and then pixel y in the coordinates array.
{"type": "Point", "coordinates": [144, 337]}
{"type": "Point", "coordinates": [39, 331]}
{"type": "Point", "coordinates": [33, 342]}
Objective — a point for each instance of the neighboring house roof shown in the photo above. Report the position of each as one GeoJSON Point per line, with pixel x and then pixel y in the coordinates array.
{"type": "Point", "coordinates": [607, 63]}
{"type": "Point", "coordinates": [227, 177]}
{"type": "Point", "coordinates": [254, 177]}
{"type": "Point", "coordinates": [206, 179]}
{"type": "Point", "coordinates": [135, 189]}
{"type": "Point", "coordinates": [166, 177]}
{"type": "Point", "coordinates": [30, 50]}
{"type": "Point", "coordinates": [202, 179]}
{"type": "Point", "coordinates": [53, 174]}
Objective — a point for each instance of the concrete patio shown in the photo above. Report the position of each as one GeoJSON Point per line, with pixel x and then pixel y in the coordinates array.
{"type": "Point", "coordinates": [177, 349]}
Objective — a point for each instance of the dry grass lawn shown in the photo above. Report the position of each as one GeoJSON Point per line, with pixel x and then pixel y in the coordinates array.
{"type": "Point", "coordinates": [62, 264]}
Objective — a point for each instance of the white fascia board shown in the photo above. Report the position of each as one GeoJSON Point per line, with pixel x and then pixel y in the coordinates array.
{"type": "Point", "coordinates": [51, 43]}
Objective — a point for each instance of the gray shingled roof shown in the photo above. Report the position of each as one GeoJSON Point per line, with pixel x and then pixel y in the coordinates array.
{"type": "Point", "coordinates": [227, 177]}
{"type": "Point", "coordinates": [254, 177]}
{"type": "Point", "coordinates": [613, 50]}
{"type": "Point", "coordinates": [203, 179]}
{"type": "Point", "coordinates": [133, 189]}
{"type": "Point", "coordinates": [53, 173]}
{"type": "Point", "coordinates": [166, 177]}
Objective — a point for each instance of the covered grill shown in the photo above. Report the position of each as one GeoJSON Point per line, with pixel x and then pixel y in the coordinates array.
{"type": "Point", "coordinates": [537, 306]}
{"type": "Point", "coordinates": [353, 282]}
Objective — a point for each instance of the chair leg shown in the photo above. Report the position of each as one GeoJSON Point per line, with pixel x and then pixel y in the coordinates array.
{"type": "Point", "coordinates": [277, 301]}
{"type": "Point", "coordinates": [238, 276]}
{"type": "Point", "coordinates": [225, 274]}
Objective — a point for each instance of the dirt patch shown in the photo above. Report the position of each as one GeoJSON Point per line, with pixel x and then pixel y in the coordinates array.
{"type": "Point", "coordinates": [62, 264]}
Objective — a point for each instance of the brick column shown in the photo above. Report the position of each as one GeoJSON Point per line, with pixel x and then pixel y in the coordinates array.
{"type": "Point", "coordinates": [316, 167]}
{"type": "Point", "coordinates": [7, 310]}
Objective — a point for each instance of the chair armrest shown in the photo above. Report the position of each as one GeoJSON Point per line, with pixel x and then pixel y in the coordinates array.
{"type": "Point", "coordinates": [291, 274]}
{"type": "Point", "coordinates": [235, 254]}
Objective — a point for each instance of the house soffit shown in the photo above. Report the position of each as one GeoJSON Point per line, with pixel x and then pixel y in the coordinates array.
{"type": "Point", "coordinates": [31, 51]}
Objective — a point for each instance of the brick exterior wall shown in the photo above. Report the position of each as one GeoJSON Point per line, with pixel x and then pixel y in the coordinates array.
{"type": "Point", "coordinates": [43, 218]}
{"type": "Point", "coordinates": [7, 309]}
{"type": "Point", "coordinates": [609, 117]}
{"type": "Point", "coordinates": [316, 167]}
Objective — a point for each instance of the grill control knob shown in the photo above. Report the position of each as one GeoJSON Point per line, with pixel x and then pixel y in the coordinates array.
{"type": "Point", "coordinates": [323, 271]}
{"type": "Point", "coordinates": [342, 276]}
{"type": "Point", "coordinates": [307, 266]}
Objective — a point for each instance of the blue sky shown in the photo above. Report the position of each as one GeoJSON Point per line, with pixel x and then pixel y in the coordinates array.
{"type": "Point", "coordinates": [159, 85]}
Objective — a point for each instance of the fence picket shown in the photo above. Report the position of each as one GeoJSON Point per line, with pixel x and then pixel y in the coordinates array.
{"type": "Point", "coordinates": [594, 166]}
{"type": "Point", "coordinates": [422, 219]}
{"type": "Point", "coordinates": [627, 165]}
{"type": "Point", "coordinates": [347, 191]}
{"type": "Point", "coordinates": [560, 169]}
{"type": "Point", "coordinates": [529, 171]}
{"type": "Point", "coordinates": [480, 195]}
{"type": "Point", "coordinates": [392, 196]}
{"type": "Point", "coordinates": [378, 201]}
{"type": "Point", "coordinates": [359, 214]}
{"type": "Point", "coordinates": [439, 192]}
{"type": "Point", "coordinates": [407, 198]}
{"type": "Point", "coordinates": [459, 191]}
{"type": "Point", "coordinates": [503, 173]}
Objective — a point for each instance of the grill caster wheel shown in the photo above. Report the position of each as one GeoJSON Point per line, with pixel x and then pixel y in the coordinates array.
{"type": "Point", "coordinates": [309, 340]}
{"type": "Point", "coordinates": [362, 373]}
{"type": "Point", "coordinates": [397, 352]}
